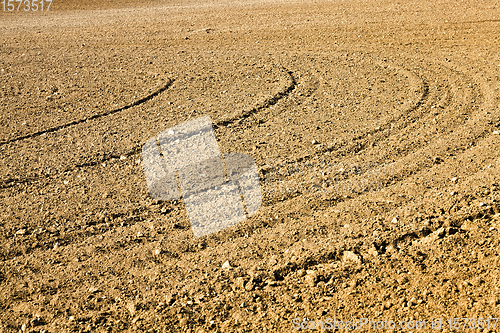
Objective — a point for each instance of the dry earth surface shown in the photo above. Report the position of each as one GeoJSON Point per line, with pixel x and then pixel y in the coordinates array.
{"type": "Point", "coordinates": [373, 125]}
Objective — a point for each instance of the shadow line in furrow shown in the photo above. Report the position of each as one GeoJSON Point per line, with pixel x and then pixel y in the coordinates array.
{"type": "Point", "coordinates": [475, 22]}
{"type": "Point", "coordinates": [273, 100]}
{"type": "Point", "coordinates": [80, 235]}
{"type": "Point", "coordinates": [357, 147]}
{"type": "Point", "coordinates": [267, 103]}
{"type": "Point", "coordinates": [355, 141]}
{"type": "Point", "coordinates": [97, 116]}
{"type": "Point", "coordinates": [339, 151]}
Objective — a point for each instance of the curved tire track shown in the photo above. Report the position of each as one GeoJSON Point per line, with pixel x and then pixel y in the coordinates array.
{"type": "Point", "coordinates": [97, 116]}
{"type": "Point", "coordinates": [273, 100]}
{"type": "Point", "coordinates": [77, 236]}
{"type": "Point", "coordinates": [357, 146]}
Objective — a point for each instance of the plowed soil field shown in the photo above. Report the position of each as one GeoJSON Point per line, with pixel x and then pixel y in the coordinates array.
{"type": "Point", "coordinates": [374, 126]}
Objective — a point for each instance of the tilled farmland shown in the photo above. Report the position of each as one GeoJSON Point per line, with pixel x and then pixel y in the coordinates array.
{"type": "Point", "coordinates": [374, 127]}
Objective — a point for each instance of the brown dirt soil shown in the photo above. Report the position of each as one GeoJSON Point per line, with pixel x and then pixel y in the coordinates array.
{"type": "Point", "coordinates": [373, 125]}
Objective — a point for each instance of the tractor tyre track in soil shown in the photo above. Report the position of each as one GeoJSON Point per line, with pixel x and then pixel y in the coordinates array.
{"type": "Point", "coordinates": [375, 134]}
